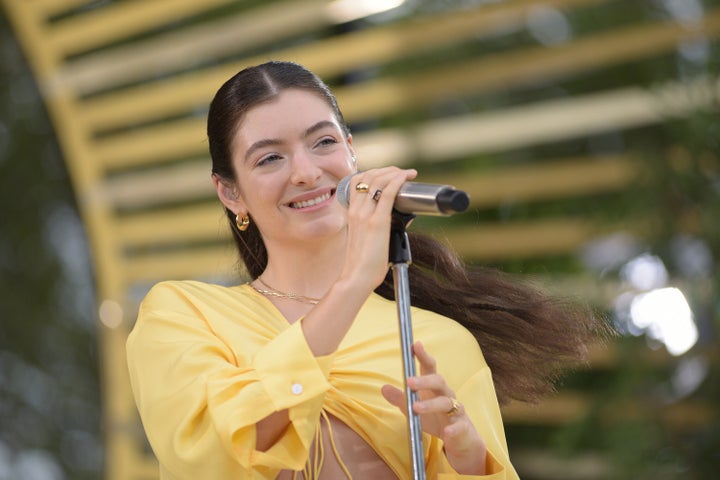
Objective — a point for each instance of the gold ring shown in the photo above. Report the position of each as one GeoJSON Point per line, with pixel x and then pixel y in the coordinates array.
{"type": "Point", "coordinates": [362, 187]}
{"type": "Point", "coordinates": [376, 195]}
{"type": "Point", "coordinates": [454, 409]}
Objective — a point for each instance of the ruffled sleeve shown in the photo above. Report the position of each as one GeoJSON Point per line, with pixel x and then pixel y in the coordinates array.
{"type": "Point", "coordinates": [199, 396]}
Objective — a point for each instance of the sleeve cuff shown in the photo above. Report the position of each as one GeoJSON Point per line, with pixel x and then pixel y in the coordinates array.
{"type": "Point", "coordinates": [494, 470]}
{"type": "Point", "coordinates": [288, 370]}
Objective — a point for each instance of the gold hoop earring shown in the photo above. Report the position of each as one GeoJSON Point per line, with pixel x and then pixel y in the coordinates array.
{"type": "Point", "coordinates": [242, 223]}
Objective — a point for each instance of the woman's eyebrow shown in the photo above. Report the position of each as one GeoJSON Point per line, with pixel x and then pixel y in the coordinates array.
{"type": "Point", "coordinates": [274, 141]}
{"type": "Point", "coordinates": [319, 126]}
{"type": "Point", "coordinates": [260, 144]}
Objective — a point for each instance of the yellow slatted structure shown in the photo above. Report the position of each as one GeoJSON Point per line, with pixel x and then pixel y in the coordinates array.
{"type": "Point", "coordinates": [127, 85]}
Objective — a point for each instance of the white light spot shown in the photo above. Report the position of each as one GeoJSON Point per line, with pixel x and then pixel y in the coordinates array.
{"type": "Point", "coordinates": [111, 313]}
{"type": "Point", "coordinates": [645, 272]}
{"type": "Point", "coordinates": [665, 316]}
{"type": "Point", "coordinates": [348, 10]}
{"type": "Point", "coordinates": [548, 25]}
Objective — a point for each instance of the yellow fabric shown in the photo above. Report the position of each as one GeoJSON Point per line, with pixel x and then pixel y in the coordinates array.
{"type": "Point", "coordinates": [207, 362]}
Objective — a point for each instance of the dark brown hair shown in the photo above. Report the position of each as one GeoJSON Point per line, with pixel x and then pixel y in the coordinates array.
{"type": "Point", "coordinates": [527, 337]}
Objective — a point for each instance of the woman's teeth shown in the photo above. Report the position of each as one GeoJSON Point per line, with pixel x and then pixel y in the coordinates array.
{"type": "Point", "coordinates": [311, 202]}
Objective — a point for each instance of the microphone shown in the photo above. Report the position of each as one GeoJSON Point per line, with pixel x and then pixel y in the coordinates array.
{"type": "Point", "coordinates": [418, 198]}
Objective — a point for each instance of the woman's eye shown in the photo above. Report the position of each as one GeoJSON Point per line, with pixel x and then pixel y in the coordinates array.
{"type": "Point", "coordinates": [327, 141]}
{"type": "Point", "coordinates": [268, 159]}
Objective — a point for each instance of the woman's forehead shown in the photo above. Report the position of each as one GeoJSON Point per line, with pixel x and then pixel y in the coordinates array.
{"type": "Point", "coordinates": [292, 109]}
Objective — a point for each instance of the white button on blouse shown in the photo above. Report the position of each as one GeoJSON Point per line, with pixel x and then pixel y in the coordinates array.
{"type": "Point", "coordinates": [296, 388]}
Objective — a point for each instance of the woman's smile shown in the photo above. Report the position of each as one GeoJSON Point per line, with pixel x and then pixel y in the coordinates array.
{"type": "Point", "coordinates": [312, 199]}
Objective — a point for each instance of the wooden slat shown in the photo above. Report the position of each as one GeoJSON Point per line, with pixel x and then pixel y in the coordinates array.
{"type": "Point", "coordinates": [583, 176]}
{"type": "Point", "coordinates": [548, 180]}
{"type": "Point", "coordinates": [206, 222]}
{"type": "Point", "coordinates": [497, 241]}
{"type": "Point", "coordinates": [446, 139]}
{"type": "Point", "coordinates": [557, 179]}
{"type": "Point", "coordinates": [121, 20]}
{"type": "Point", "coordinates": [555, 410]}
{"type": "Point", "coordinates": [49, 8]}
{"type": "Point", "coordinates": [176, 50]}
{"type": "Point", "coordinates": [545, 464]}
{"type": "Point", "coordinates": [187, 181]}
{"type": "Point", "coordinates": [557, 120]}
{"type": "Point", "coordinates": [327, 58]}
{"type": "Point", "coordinates": [384, 96]}
{"type": "Point", "coordinates": [521, 239]}
{"type": "Point", "coordinates": [181, 139]}
{"type": "Point", "coordinates": [570, 406]}
{"type": "Point", "coordinates": [216, 262]}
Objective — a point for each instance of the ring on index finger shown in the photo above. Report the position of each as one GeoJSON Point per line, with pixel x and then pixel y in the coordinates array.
{"type": "Point", "coordinates": [454, 409]}
{"type": "Point", "coordinates": [362, 187]}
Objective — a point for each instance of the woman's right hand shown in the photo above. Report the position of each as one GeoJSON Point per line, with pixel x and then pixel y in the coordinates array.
{"type": "Point", "coordinates": [366, 258]}
{"type": "Point", "coordinates": [369, 218]}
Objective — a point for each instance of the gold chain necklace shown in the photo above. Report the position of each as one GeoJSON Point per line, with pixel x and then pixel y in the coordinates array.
{"type": "Point", "coordinates": [273, 292]}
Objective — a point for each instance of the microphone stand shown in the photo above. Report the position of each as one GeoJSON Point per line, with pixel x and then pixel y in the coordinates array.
{"type": "Point", "coordinates": [400, 258]}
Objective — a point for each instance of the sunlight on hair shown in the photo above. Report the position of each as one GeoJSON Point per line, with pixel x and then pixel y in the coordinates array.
{"type": "Point", "coordinates": [348, 10]}
{"type": "Point", "coordinates": [664, 314]}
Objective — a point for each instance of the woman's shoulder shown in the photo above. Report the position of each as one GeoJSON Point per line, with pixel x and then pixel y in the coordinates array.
{"type": "Point", "coordinates": [175, 293]}
{"type": "Point", "coordinates": [168, 289]}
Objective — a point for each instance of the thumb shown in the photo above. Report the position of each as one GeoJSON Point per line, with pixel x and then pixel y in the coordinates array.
{"type": "Point", "coordinates": [394, 396]}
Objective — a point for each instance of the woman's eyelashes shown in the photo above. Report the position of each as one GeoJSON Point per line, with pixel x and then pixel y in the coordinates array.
{"type": "Point", "coordinates": [268, 159]}
{"type": "Point", "coordinates": [323, 144]}
{"type": "Point", "coordinates": [326, 142]}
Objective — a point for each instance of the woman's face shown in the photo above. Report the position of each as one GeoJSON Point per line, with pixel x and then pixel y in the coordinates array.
{"type": "Point", "coordinates": [289, 155]}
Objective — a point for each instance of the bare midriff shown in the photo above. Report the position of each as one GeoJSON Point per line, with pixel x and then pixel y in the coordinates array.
{"type": "Point", "coordinates": [361, 461]}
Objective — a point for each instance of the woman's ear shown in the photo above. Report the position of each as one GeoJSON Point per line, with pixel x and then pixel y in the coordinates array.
{"type": "Point", "coordinates": [228, 195]}
{"type": "Point", "coordinates": [353, 155]}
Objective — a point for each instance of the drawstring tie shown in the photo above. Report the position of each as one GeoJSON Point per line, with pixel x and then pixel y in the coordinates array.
{"type": "Point", "coordinates": [314, 465]}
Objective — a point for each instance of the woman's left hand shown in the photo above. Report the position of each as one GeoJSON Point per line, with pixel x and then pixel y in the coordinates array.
{"type": "Point", "coordinates": [442, 415]}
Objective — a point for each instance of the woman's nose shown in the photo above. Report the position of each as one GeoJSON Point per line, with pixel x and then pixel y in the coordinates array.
{"type": "Point", "coordinates": [304, 169]}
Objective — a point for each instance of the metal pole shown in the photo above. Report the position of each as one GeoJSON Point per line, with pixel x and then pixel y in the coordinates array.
{"type": "Point", "coordinates": [400, 258]}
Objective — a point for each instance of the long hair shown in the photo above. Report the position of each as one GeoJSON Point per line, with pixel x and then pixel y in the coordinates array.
{"type": "Point", "coordinates": [527, 338]}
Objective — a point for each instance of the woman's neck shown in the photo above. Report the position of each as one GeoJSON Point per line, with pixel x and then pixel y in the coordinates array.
{"type": "Point", "coordinates": [306, 269]}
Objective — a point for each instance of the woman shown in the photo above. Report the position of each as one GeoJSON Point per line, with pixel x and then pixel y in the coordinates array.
{"type": "Point", "coordinates": [298, 373]}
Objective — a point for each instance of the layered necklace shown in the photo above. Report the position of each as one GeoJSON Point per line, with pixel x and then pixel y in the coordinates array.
{"type": "Point", "coordinates": [273, 292]}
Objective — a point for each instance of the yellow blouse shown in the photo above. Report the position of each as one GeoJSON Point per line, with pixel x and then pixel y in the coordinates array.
{"type": "Point", "coordinates": [207, 362]}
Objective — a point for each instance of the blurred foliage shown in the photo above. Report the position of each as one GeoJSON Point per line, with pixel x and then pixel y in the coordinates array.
{"type": "Point", "coordinates": [49, 390]}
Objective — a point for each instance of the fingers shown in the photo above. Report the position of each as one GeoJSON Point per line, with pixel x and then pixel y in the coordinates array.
{"type": "Point", "coordinates": [378, 187]}
{"type": "Point", "coordinates": [442, 399]}
{"type": "Point", "coordinates": [394, 396]}
{"type": "Point", "coordinates": [439, 405]}
{"type": "Point", "coordinates": [427, 362]}
{"type": "Point", "coordinates": [442, 415]}
{"type": "Point", "coordinates": [369, 222]}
